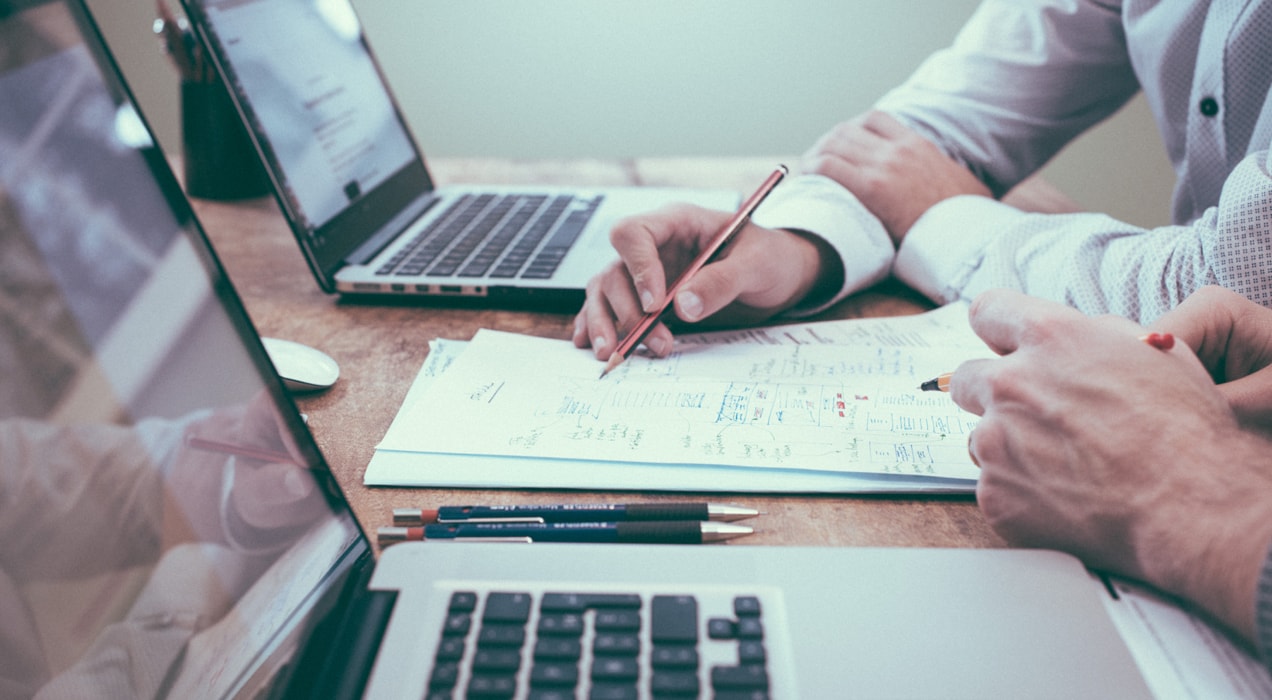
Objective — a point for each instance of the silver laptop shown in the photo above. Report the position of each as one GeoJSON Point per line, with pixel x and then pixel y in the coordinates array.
{"type": "Point", "coordinates": [355, 188]}
{"type": "Point", "coordinates": [170, 528]}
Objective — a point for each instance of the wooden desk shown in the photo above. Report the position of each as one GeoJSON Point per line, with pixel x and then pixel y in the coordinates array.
{"type": "Point", "coordinates": [381, 348]}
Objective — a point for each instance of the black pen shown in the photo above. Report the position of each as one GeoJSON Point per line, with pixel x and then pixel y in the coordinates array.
{"type": "Point", "coordinates": [571, 513]}
{"type": "Point", "coordinates": [649, 532]}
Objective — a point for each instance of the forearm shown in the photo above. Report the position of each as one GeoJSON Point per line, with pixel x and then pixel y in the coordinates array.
{"type": "Point", "coordinates": [1093, 262]}
{"type": "Point", "coordinates": [1020, 81]}
{"type": "Point", "coordinates": [1209, 543]}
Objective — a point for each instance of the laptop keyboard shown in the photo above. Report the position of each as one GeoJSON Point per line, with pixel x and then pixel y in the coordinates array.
{"type": "Point", "coordinates": [554, 646]}
{"type": "Point", "coordinates": [503, 236]}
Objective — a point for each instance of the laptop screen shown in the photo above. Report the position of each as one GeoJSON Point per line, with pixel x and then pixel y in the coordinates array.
{"type": "Point", "coordinates": [166, 520]}
{"type": "Point", "coordinates": [322, 117]}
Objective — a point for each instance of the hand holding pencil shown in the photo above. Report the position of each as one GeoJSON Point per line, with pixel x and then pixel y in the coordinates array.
{"type": "Point", "coordinates": [761, 272]}
{"type": "Point", "coordinates": [713, 248]}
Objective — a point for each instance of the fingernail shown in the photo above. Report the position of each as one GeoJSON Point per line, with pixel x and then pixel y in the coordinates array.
{"type": "Point", "coordinates": [657, 345]}
{"type": "Point", "coordinates": [646, 300]}
{"type": "Point", "coordinates": [690, 305]}
{"type": "Point", "coordinates": [599, 344]}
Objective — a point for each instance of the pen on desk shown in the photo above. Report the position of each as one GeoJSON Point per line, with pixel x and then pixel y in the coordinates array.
{"type": "Point", "coordinates": [572, 513]}
{"type": "Point", "coordinates": [647, 532]}
{"type": "Point", "coordinates": [257, 453]}
{"type": "Point", "coordinates": [1161, 341]}
{"type": "Point", "coordinates": [628, 344]}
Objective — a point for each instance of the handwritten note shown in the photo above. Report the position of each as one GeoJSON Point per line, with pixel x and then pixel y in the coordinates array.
{"type": "Point", "coordinates": [833, 397]}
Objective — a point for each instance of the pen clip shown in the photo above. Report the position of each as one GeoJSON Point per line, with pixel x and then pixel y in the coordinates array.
{"type": "Point", "coordinates": [514, 540]}
{"type": "Point", "coordinates": [509, 519]}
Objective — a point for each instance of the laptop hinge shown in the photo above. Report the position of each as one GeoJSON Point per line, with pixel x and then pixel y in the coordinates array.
{"type": "Point", "coordinates": [338, 654]}
{"type": "Point", "coordinates": [390, 231]}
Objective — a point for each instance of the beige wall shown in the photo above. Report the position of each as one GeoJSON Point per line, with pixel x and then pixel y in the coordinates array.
{"type": "Point", "coordinates": [565, 78]}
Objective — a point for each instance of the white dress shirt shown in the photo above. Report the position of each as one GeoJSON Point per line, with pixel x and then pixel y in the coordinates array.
{"type": "Point", "coordinates": [1021, 80]}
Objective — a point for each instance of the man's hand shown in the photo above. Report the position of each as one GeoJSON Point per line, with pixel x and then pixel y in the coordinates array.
{"type": "Point", "coordinates": [762, 272]}
{"type": "Point", "coordinates": [1095, 443]}
{"type": "Point", "coordinates": [1233, 338]}
{"type": "Point", "coordinates": [896, 173]}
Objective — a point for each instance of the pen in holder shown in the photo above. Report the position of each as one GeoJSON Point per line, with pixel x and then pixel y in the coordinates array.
{"type": "Point", "coordinates": [220, 162]}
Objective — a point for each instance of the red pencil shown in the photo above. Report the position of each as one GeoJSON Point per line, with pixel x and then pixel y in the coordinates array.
{"type": "Point", "coordinates": [257, 453]}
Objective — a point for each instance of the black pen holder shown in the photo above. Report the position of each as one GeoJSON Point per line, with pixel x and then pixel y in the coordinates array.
{"type": "Point", "coordinates": [220, 161]}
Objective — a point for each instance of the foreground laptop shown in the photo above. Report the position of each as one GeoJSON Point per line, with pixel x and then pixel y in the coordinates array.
{"type": "Point", "coordinates": [354, 186]}
{"type": "Point", "coordinates": [170, 529]}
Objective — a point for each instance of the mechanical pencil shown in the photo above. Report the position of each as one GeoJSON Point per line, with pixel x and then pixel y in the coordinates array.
{"type": "Point", "coordinates": [571, 513]}
{"type": "Point", "coordinates": [648, 532]}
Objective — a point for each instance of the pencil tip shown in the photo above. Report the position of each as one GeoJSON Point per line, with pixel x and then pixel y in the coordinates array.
{"type": "Point", "coordinates": [930, 385]}
{"type": "Point", "coordinates": [615, 360]}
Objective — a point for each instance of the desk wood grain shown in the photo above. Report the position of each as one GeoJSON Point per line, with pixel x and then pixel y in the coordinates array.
{"type": "Point", "coordinates": [380, 349]}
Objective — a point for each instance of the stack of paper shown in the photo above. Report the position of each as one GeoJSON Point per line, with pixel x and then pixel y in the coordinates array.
{"type": "Point", "coordinates": [819, 407]}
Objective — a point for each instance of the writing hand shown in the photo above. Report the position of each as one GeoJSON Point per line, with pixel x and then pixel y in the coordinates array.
{"type": "Point", "coordinates": [896, 173]}
{"type": "Point", "coordinates": [761, 273]}
{"type": "Point", "coordinates": [1233, 338]}
{"type": "Point", "coordinates": [1095, 443]}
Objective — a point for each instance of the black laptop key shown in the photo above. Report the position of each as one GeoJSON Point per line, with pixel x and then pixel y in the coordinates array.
{"type": "Point", "coordinates": [444, 676]}
{"type": "Point", "coordinates": [550, 694]}
{"type": "Point", "coordinates": [674, 683]}
{"type": "Point", "coordinates": [750, 628]}
{"type": "Point", "coordinates": [617, 620]}
{"type": "Point", "coordinates": [722, 628]}
{"type": "Point", "coordinates": [507, 607]}
{"type": "Point", "coordinates": [578, 602]}
{"type": "Point", "coordinates": [605, 644]}
{"type": "Point", "coordinates": [501, 635]}
{"type": "Point", "coordinates": [554, 675]}
{"type": "Point", "coordinates": [499, 661]}
{"type": "Point", "coordinates": [450, 649]}
{"type": "Point", "coordinates": [613, 691]}
{"type": "Point", "coordinates": [744, 677]}
{"type": "Point", "coordinates": [746, 606]}
{"type": "Point", "coordinates": [561, 624]}
{"type": "Point", "coordinates": [492, 687]}
{"type": "Point", "coordinates": [751, 652]}
{"type": "Point", "coordinates": [615, 669]}
{"type": "Point", "coordinates": [740, 695]}
{"type": "Point", "coordinates": [673, 619]}
{"type": "Point", "coordinates": [558, 649]}
{"type": "Point", "coordinates": [463, 601]}
{"type": "Point", "coordinates": [673, 656]}
{"type": "Point", "coordinates": [457, 624]}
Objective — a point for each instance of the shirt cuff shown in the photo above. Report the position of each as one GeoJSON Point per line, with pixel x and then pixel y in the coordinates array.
{"type": "Point", "coordinates": [819, 206]}
{"type": "Point", "coordinates": [943, 249]}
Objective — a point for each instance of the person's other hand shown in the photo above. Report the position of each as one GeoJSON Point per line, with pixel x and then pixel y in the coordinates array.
{"type": "Point", "coordinates": [760, 273]}
{"type": "Point", "coordinates": [1095, 443]}
{"type": "Point", "coordinates": [254, 499]}
{"type": "Point", "coordinates": [896, 173]}
{"type": "Point", "coordinates": [1233, 338]}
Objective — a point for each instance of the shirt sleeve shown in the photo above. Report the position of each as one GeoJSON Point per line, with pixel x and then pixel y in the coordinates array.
{"type": "Point", "coordinates": [1022, 79]}
{"type": "Point", "coordinates": [1093, 262]}
{"type": "Point", "coordinates": [820, 206]}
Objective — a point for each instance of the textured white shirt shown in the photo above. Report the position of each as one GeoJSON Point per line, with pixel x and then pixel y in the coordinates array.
{"type": "Point", "coordinates": [1021, 80]}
